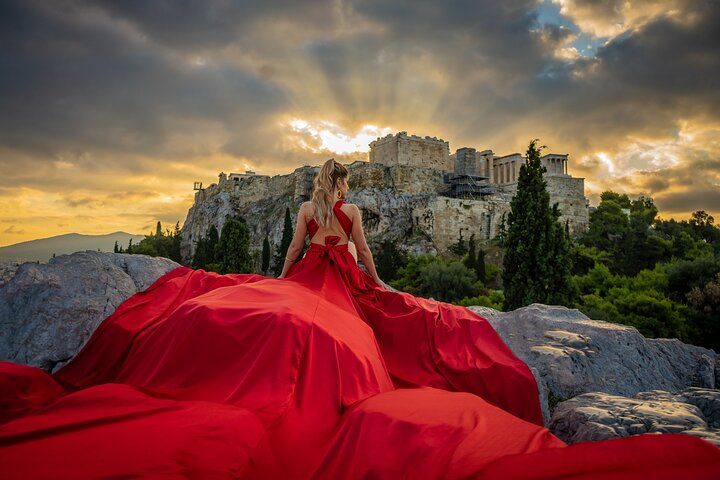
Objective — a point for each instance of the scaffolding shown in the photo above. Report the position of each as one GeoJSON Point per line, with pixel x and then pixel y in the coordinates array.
{"type": "Point", "coordinates": [469, 186]}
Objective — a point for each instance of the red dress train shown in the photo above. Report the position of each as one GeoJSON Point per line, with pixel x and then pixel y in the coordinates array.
{"type": "Point", "coordinates": [321, 374]}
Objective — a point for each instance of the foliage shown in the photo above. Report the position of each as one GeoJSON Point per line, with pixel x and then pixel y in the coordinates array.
{"type": "Point", "coordinates": [159, 244]}
{"type": "Point", "coordinates": [232, 251]}
{"type": "Point", "coordinates": [408, 277]}
{"type": "Point", "coordinates": [639, 301]}
{"type": "Point", "coordinates": [537, 264]}
{"type": "Point", "coordinates": [490, 298]}
{"type": "Point", "coordinates": [282, 248]}
{"type": "Point", "coordinates": [265, 255]}
{"type": "Point", "coordinates": [475, 261]}
{"type": "Point", "coordinates": [447, 281]}
{"type": "Point", "coordinates": [227, 252]}
{"type": "Point", "coordinates": [459, 248]}
{"type": "Point", "coordinates": [389, 260]}
{"type": "Point", "coordinates": [705, 315]}
{"type": "Point", "coordinates": [684, 275]}
{"type": "Point", "coordinates": [205, 251]}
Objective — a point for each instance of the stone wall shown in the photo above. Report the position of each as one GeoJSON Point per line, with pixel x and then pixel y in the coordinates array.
{"type": "Point", "coordinates": [401, 192]}
{"type": "Point", "coordinates": [444, 218]}
{"type": "Point", "coordinates": [412, 150]}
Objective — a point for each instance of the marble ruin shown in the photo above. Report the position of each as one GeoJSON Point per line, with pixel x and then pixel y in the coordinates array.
{"type": "Point", "coordinates": [411, 189]}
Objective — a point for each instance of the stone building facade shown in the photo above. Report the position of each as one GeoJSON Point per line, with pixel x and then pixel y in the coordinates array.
{"type": "Point", "coordinates": [412, 190]}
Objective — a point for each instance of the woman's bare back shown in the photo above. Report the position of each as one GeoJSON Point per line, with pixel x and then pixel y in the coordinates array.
{"type": "Point", "coordinates": [335, 228]}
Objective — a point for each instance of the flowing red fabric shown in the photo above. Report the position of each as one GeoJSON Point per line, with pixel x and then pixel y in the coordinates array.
{"type": "Point", "coordinates": [321, 374]}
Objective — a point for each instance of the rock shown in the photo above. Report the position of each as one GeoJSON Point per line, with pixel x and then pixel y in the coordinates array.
{"type": "Point", "coordinates": [7, 270]}
{"type": "Point", "coordinates": [571, 354]}
{"type": "Point", "coordinates": [408, 202]}
{"type": "Point", "coordinates": [600, 416]}
{"type": "Point", "coordinates": [48, 311]}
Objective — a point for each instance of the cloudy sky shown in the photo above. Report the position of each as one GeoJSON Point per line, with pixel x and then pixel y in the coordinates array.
{"type": "Point", "coordinates": [109, 110]}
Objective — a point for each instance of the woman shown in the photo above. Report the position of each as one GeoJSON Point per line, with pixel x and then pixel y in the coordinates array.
{"type": "Point", "coordinates": [322, 374]}
{"type": "Point", "coordinates": [318, 219]}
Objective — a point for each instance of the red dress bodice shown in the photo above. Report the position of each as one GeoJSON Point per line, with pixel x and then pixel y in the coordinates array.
{"type": "Point", "coordinates": [345, 222]}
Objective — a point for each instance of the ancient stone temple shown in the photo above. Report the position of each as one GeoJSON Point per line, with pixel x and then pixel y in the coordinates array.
{"type": "Point", "coordinates": [411, 190]}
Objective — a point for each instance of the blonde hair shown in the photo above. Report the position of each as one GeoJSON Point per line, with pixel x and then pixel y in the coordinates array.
{"type": "Point", "coordinates": [323, 197]}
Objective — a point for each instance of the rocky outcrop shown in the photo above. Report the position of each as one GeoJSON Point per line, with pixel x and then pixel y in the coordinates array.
{"type": "Point", "coordinates": [7, 270]}
{"type": "Point", "coordinates": [413, 206]}
{"type": "Point", "coordinates": [570, 354]}
{"type": "Point", "coordinates": [48, 311]}
{"type": "Point", "coordinates": [600, 416]}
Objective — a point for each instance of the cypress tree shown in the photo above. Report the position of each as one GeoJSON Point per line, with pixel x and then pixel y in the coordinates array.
{"type": "Point", "coordinates": [470, 260]}
{"type": "Point", "coordinates": [389, 260]}
{"type": "Point", "coordinates": [175, 244]}
{"type": "Point", "coordinates": [115, 249]}
{"type": "Point", "coordinates": [158, 230]}
{"type": "Point", "coordinates": [211, 243]}
{"type": "Point", "coordinates": [199, 260]}
{"type": "Point", "coordinates": [502, 231]}
{"type": "Point", "coordinates": [480, 266]}
{"type": "Point", "coordinates": [459, 248]}
{"type": "Point", "coordinates": [282, 249]}
{"type": "Point", "coordinates": [233, 249]}
{"type": "Point", "coordinates": [560, 263]}
{"type": "Point", "coordinates": [265, 254]}
{"type": "Point", "coordinates": [535, 263]}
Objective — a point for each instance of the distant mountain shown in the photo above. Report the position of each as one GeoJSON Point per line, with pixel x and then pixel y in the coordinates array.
{"type": "Point", "coordinates": [43, 249]}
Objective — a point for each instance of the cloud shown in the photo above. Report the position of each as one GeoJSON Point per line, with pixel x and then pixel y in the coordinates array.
{"type": "Point", "coordinates": [609, 18]}
{"type": "Point", "coordinates": [11, 230]}
{"type": "Point", "coordinates": [114, 108]}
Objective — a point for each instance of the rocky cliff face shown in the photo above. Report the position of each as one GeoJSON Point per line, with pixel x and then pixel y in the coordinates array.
{"type": "Point", "coordinates": [600, 380]}
{"type": "Point", "coordinates": [48, 311]}
{"type": "Point", "coordinates": [409, 205]}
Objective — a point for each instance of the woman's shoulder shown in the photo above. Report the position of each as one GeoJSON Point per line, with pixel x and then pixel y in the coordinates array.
{"type": "Point", "coordinates": [349, 208]}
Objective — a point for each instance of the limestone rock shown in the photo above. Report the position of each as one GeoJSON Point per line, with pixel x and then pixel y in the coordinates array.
{"type": "Point", "coordinates": [571, 354]}
{"type": "Point", "coordinates": [7, 270]}
{"type": "Point", "coordinates": [600, 416]}
{"type": "Point", "coordinates": [48, 311]}
{"type": "Point", "coordinates": [408, 200]}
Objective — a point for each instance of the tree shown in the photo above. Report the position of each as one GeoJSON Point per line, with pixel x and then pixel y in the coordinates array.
{"type": "Point", "coordinates": [158, 229]}
{"type": "Point", "coordinates": [702, 223]}
{"type": "Point", "coordinates": [409, 277]}
{"type": "Point", "coordinates": [129, 249]}
{"type": "Point", "coordinates": [621, 199]}
{"type": "Point", "coordinates": [233, 249]}
{"type": "Point", "coordinates": [174, 253]}
{"type": "Point", "coordinates": [480, 266]}
{"type": "Point", "coordinates": [501, 237]}
{"type": "Point", "coordinates": [447, 281]}
{"type": "Point", "coordinates": [389, 261]}
{"type": "Point", "coordinates": [212, 241]}
{"type": "Point", "coordinates": [535, 264]}
{"type": "Point", "coordinates": [608, 224]}
{"type": "Point", "coordinates": [459, 248]}
{"type": "Point", "coordinates": [705, 317]}
{"type": "Point", "coordinates": [116, 248]}
{"type": "Point", "coordinates": [561, 288]}
{"type": "Point", "coordinates": [265, 255]}
{"type": "Point", "coordinates": [282, 249]}
{"type": "Point", "coordinates": [470, 259]}
{"type": "Point", "coordinates": [200, 257]}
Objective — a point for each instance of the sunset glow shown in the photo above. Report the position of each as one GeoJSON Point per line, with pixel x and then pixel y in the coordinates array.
{"type": "Point", "coordinates": [112, 111]}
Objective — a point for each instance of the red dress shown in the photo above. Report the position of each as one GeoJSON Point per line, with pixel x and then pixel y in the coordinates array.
{"type": "Point", "coordinates": [321, 374]}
